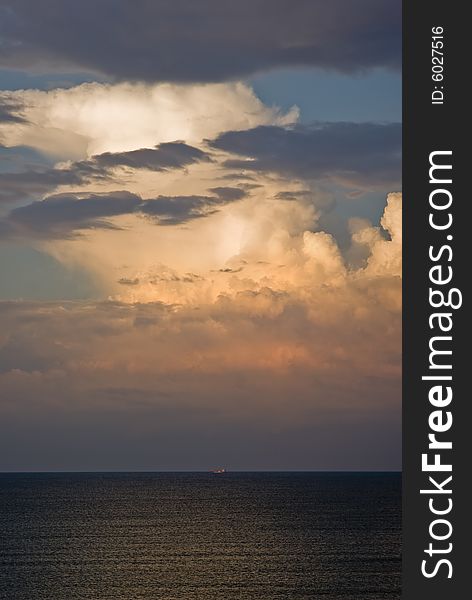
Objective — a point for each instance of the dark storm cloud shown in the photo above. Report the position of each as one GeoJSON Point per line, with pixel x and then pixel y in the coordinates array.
{"type": "Point", "coordinates": [62, 215]}
{"type": "Point", "coordinates": [293, 196]}
{"type": "Point", "coordinates": [174, 210]}
{"type": "Point", "coordinates": [228, 193]}
{"type": "Point", "coordinates": [362, 153]}
{"type": "Point", "coordinates": [208, 40]}
{"type": "Point", "coordinates": [170, 155]}
{"type": "Point", "coordinates": [18, 186]}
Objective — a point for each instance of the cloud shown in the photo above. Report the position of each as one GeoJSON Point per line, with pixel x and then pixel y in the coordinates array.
{"type": "Point", "coordinates": [10, 112]}
{"type": "Point", "coordinates": [311, 347]}
{"type": "Point", "coordinates": [208, 255]}
{"type": "Point", "coordinates": [384, 257]}
{"type": "Point", "coordinates": [239, 246]}
{"type": "Point", "coordinates": [95, 118]}
{"type": "Point", "coordinates": [15, 187]}
{"type": "Point", "coordinates": [228, 193]}
{"type": "Point", "coordinates": [206, 41]}
{"type": "Point", "coordinates": [360, 154]}
{"type": "Point", "coordinates": [63, 215]}
{"type": "Point", "coordinates": [180, 209]}
{"type": "Point", "coordinates": [166, 156]}
{"type": "Point", "coordinates": [170, 155]}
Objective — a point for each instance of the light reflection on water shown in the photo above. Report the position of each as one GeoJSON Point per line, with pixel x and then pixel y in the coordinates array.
{"type": "Point", "coordinates": [194, 536]}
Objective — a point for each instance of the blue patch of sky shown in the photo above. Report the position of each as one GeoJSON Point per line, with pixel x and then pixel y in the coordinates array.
{"type": "Point", "coordinates": [16, 159]}
{"type": "Point", "coordinates": [328, 96]}
{"type": "Point", "coordinates": [27, 273]}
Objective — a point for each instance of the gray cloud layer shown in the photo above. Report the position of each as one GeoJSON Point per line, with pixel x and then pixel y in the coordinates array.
{"type": "Point", "coordinates": [363, 153]}
{"type": "Point", "coordinates": [140, 374]}
{"type": "Point", "coordinates": [61, 215]}
{"type": "Point", "coordinates": [18, 186]}
{"type": "Point", "coordinates": [170, 155]}
{"type": "Point", "coordinates": [208, 40]}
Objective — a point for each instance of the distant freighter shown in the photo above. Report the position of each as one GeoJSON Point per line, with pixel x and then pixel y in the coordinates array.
{"type": "Point", "coordinates": [218, 471]}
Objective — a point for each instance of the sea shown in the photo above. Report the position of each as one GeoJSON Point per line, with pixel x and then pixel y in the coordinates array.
{"type": "Point", "coordinates": [200, 536]}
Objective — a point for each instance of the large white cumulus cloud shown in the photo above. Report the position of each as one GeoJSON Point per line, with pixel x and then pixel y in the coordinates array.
{"type": "Point", "coordinates": [94, 118]}
{"type": "Point", "coordinates": [278, 362]}
{"type": "Point", "coordinates": [248, 315]}
{"type": "Point", "coordinates": [259, 320]}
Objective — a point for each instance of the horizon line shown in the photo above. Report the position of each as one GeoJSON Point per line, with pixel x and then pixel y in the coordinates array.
{"type": "Point", "coordinates": [155, 471]}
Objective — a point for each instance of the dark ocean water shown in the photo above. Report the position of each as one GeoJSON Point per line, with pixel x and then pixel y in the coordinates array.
{"type": "Point", "coordinates": [189, 536]}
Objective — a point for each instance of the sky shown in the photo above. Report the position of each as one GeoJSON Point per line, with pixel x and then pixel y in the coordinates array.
{"type": "Point", "coordinates": [200, 235]}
